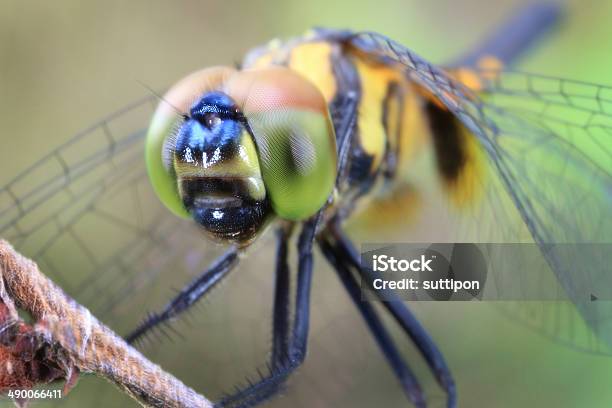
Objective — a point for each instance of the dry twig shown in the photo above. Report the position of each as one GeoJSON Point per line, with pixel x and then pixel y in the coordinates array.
{"type": "Point", "coordinates": [67, 339]}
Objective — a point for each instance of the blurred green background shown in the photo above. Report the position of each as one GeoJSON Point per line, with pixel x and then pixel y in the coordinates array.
{"type": "Point", "coordinates": [65, 64]}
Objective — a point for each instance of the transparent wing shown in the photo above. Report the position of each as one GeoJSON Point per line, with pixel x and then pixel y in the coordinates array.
{"type": "Point", "coordinates": [85, 213]}
{"type": "Point", "coordinates": [548, 150]}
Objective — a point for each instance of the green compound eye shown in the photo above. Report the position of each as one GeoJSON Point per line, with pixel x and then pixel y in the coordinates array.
{"type": "Point", "coordinates": [161, 174]}
{"type": "Point", "coordinates": [294, 135]}
{"type": "Point", "coordinates": [297, 159]}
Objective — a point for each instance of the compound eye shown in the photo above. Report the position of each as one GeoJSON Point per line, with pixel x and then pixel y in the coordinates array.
{"type": "Point", "coordinates": [294, 135]}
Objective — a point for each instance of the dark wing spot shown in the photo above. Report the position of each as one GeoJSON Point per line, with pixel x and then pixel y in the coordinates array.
{"type": "Point", "coordinates": [394, 99]}
{"type": "Point", "coordinates": [448, 141]}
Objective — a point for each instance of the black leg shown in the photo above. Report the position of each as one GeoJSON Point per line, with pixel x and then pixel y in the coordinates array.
{"type": "Point", "coordinates": [280, 324]}
{"type": "Point", "coordinates": [295, 352]}
{"type": "Point", "coordinates": [190, 294]}
{"type": "Point", "coordinates": [385, 342]}
{"type": "Point", "coordinates": [409, 323]}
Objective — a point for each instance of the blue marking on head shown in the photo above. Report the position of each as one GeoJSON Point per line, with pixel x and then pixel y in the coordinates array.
{"type": "Point", "coordinates": [211, 132]}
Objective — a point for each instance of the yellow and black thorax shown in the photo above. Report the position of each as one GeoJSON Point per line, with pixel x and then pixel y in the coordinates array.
{"type": "Point", "coordinates": [390, 117]}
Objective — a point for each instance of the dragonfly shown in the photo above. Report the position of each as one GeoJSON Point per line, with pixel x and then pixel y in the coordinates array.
{"type": "Point", "coordinates": [305, 137]}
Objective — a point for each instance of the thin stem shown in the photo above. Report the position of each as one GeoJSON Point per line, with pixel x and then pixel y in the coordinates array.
{"type": "Point", "coordinates": [91, 346]}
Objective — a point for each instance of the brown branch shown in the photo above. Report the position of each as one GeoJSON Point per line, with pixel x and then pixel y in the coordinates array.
{"type": "Point", "coordinates": [72, 340]}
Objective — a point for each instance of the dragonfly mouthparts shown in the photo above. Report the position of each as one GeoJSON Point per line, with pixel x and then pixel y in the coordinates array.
{"type": "Point", "coordinates": [210, 201]}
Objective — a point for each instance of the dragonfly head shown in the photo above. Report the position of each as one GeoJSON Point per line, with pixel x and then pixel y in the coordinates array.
{"type": "Point", "coordinates": [232, 149]}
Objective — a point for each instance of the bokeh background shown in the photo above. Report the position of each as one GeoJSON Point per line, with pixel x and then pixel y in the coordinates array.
{"type": "Point", "coordinates": [65, 64]}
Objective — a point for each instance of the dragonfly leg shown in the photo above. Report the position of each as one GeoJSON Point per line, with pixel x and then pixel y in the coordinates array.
{"type": "Point", "coordinates": [383, 338]}
{"type": "Point", "coordinates": [284, 362]}
{"type": "Point", "coordinates": [407, 321]}
{"type": "Point", "coordinates": [190, 294]}
{"type": "Point", "coordinates": [280, 318]}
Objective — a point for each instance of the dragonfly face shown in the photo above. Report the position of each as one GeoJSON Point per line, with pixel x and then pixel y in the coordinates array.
{"type": "Point", "coordinates": [249, 145]}
{"type": "Point", "coordinates": [217, 171]}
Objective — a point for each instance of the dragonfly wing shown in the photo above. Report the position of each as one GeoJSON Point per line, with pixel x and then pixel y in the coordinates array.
{"type": "Point", "coordinates": [548, 151]}
{"type": "Point", "coordinates": [87, 215]}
